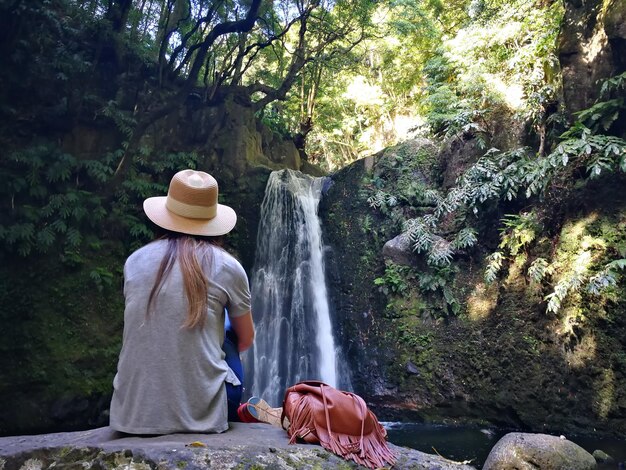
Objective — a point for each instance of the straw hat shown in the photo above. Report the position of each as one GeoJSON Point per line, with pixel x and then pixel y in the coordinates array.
{"type": "Point", "coordinates": [191, 206]}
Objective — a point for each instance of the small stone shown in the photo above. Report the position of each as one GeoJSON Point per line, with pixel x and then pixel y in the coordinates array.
{"type": "Point", "coordinates": [602, 457]}
{"type": "Point", "coordinates": [412, 368]}
{"type": "Point", "coordinates": [399, 250]}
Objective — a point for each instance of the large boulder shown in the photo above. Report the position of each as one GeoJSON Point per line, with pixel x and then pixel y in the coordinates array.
{"type": "Point", "coordinates": [521, 451]}
{"type": "Point", "coordinates": [243, 446]}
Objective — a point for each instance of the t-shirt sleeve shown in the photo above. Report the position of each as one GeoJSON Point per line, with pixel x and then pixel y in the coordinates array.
{"type": "Point", "coordinates": [237, 290]}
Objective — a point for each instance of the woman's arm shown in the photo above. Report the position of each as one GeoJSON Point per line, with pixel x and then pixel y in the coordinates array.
{"type": "Point", "coordinates": [244, 328]}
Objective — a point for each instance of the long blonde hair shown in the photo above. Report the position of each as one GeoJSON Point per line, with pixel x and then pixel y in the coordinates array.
{"type": "Point", "coordinates": [186, 250]}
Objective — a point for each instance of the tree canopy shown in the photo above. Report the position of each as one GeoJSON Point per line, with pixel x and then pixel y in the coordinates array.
{"type": "Point", "coordinates": [342, 78]}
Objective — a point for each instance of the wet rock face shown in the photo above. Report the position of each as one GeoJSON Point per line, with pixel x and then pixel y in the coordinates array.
{"type": "Point", "coordinates": [591, 48]}
{"type": "Point", "coordinates": [538, 451]}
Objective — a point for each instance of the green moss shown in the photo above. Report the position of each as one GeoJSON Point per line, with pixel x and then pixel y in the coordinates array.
{"type": "Point", "coordinates": [61, 341]}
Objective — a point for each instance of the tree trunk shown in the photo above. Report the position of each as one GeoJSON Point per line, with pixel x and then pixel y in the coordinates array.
{"type": "Point", "coordinates": [117, 14]}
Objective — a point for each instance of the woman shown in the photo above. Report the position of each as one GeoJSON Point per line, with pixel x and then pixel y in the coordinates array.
{"type": "Point", "coordinates": [172, 370]}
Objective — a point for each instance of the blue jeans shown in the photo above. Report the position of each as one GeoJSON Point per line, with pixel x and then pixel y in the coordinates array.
{"type": "Point", "coordinates": [233, 392]}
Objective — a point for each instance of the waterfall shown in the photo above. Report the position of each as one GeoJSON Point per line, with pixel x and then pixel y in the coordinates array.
{"type": "Point", "coordinates": [294, 338]}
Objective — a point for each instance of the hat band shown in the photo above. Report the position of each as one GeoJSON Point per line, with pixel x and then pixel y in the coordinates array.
{"type": "Point", "coordinates": [190, 211]}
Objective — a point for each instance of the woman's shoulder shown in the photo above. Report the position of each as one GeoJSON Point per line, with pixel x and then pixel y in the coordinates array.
{"type": "Point", "coordinates": [225, 261]}
{"type": "Point", "coordinates": [147, 252]}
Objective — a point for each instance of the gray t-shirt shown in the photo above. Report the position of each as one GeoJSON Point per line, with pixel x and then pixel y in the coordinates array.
{"type": "Point", "coordinates": [171, 379]}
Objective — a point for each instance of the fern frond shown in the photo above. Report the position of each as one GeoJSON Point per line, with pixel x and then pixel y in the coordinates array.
{"type": "Point", "coordinates": [465, 238]}
{"type": "Point", "coordinates": [440, 253]}
{"type": "Point", "coordinates": [539, 269]}
{"type": "Point", "coordinates": [494, 265]}
{"type": "Point", "coordinates": [419, 234]}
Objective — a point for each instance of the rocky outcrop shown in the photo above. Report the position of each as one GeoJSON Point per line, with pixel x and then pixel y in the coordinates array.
{"type": "Point", "coordinates": [538, 451]}
{"type": "Point", "coordinates": [243, 446]}
{"type": "Point", "coordinates": [412, 360]}
{"type": "Point", "coordinates": [592, 46]}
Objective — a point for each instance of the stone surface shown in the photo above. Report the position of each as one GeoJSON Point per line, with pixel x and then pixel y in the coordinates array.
{"type": "Point", "coordinates": [589, 53]}
{"type": "Point", "coordinates": [243, 446]}
{"type": "Point", "coordinates": [521, 451]}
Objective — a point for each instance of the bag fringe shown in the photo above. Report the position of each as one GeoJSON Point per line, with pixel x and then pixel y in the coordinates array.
{"type": "Point", "coordinates": [301, 421]}
{"type": "Point", "coordinates": [371, 450]}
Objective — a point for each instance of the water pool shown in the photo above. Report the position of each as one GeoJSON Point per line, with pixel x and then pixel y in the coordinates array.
{"type": "Point", "coordinates": [473, 443]}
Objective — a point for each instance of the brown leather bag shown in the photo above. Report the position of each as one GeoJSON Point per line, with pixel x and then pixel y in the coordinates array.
{"type": "Point", "coordinates": [339, 421]}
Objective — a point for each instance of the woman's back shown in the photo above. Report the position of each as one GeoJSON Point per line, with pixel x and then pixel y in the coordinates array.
{"type": "Point", "coordinates": [171, 378]}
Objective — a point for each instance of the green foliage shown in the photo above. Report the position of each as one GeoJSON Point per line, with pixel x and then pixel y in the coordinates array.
{"type": "Point", "coordinates": [55, 202]}
{"type": "Point", "coordinates": [503, 176]}
{"type": "Point", "coordinates": [123, 119]}
{"type": "Point", "coordinates": [587, 266]}
{"type": "Point", "coordinates": [539, 269]}
{"type": "Point", "coordinates": [466, 238]}
{"type": "Point", "coordinates": [602, 114]}
{"type": "Point", "coordinates": [274, 121]}
{"type": "Point", "coordinates": [494, 265]}
{"type": "Point", "coordinates": [101, 277]}
{"type": "Point", "coordinates": [571, 283]}
{"type": "Point", "coordinates": [395, 280]}
{"type": "Point", "coordinates": [437, 283]}
{"type": "Point", "coordinates": [518, 231]}
{"type": "Point", "coordinates": [500, 60]}
{"type": "Point", "coordinates": [434, 284]}
{"type": "Point", "coordinates": [512, 175]}
{"type": "Point", "coordinates": [607, 277]}
{"type": "Point", "coordinates": [50, 199]}
{"type": "Point", "coordinates": [382, 200]}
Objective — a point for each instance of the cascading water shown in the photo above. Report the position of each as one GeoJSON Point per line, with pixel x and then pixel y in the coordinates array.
{"type": "Point", "coordinates": [294, 339]}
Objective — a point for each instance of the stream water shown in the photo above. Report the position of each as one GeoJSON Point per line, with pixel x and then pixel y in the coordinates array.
{"type": "Point", "coordinates": [294, 338]}
{"type": "Point", "coordinates": [471, 443]}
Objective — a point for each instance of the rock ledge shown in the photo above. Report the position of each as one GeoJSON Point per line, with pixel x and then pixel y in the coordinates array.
{"type": "Point", "coordinates": [244, 446]}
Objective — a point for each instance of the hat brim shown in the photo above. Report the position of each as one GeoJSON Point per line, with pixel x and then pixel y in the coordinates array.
{"type": "Point", "coordinates": [223, 222]}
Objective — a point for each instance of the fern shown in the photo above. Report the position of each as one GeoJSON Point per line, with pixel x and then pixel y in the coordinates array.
{"type": "Point", "coordinates": [511, 175]}
{"type": "Point", "coordinates": [571, 283]}
{"type": "Point", "coordinates": [518, 231]}
{"type": "Point", "coordinates": [539, 269]}
{"type": "Point", "coordinates": [440, 253]}
{"type": "Point", "coordinates": [494, 265]}
{"type": "Point", "coordinates": [556, 298]}
{"type": "Point", "coordinates": [465, 238]}
{"type": "Point", "coordinates": [123, 119]}
{"type": "Point", "coordinates": [596, 284]}
{"type": "Point", "coordinates": [601, 281]}
{"type": "Point", "coordinates": [419, 233]}
{"type": "Point", "coordinates": [382, 199]}
{"type": "Point", "coordinates": [101, 277]}
{"type": "Point", "coordinates": [607, 277]}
